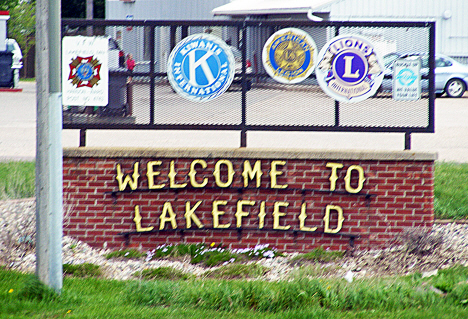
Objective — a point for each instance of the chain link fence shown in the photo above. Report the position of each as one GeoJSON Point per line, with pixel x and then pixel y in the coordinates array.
{"type": "Point", "coordinates": [144, 99]}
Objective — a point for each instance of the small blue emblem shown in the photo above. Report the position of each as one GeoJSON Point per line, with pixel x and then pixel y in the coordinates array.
{"type": "Point", "coordinates": [201, 67]}
{"type": "Point", "coordinates": [406, 77]}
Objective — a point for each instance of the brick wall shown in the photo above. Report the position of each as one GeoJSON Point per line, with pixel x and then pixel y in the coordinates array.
{"type": "Point", "coordinates": [393, 192]}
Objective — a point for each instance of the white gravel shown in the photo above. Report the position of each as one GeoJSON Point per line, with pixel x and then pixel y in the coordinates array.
{"type": "Point", "coordinates": [17, 234]}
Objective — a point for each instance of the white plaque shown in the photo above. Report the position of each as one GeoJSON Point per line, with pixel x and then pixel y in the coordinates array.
{"type": "Point", "coordinates": [85, 72]}
{"type": "Point", "coordinates": [407, 79]}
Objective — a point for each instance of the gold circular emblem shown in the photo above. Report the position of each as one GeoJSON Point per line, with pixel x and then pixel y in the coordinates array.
{"type": "Point", "coordinates": [289, 55]}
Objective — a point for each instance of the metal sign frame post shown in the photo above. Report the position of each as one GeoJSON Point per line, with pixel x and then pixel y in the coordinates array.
{"type": "Point", "coordinates": [49, 200]}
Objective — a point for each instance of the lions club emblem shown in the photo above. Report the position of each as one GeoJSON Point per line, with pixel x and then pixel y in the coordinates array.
{"type": "Point", "coordinates": [84, 71]}
{"type": "Point", "coordinates": [201, 67]}
{"type": "Point", "coordinates": [289, 55]}
{"type": "Point", "coordinates": [349, 69]}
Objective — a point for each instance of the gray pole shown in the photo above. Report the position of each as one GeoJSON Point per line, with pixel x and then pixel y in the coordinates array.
{"type": "Point", "coordinates": [48, 145]}
{"type": "Point", "coordinates": [89, 16]}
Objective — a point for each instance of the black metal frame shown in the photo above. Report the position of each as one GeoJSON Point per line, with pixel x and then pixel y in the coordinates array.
{"type": "Point", "coordinates": [243, 127]}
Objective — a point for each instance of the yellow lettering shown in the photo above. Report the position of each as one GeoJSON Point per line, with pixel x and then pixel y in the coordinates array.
{"type": "Point", "coordinates": [193, 172]}
{"type": "Point", "coordinates": [216, 213]}
{"type": "Point", "coordinates": [240, 213]}
{"type": "Point", "coordinates": [137, 221]}
{"type": "Point", "coordinates": [261, 216]}
{"type": "Point", "coordinates": [274, 173]}
{"type": "Point", "coordinates": [167, 208]}
{"type": "Point", "coordinates": [133, 183]}
{"type": "Point", "coordinates": [334, 176]}
{"type": "Point", "coordinates": [250, 173]}
{"type": "Point", "coordinates": [217, 173]}
{"type": "Point", "coordinates": [302, 218]}
{"type": "Point", "coordinates": [172, 174]}
{"type": "Point", "coordinates": [326, 219]}
{"type": "Point", "coordinates": [190, 215]}
{"type": "Point", "coordinates": [277, 214]}
{"type": "Point", "coordinates": [361, 179]}
{"type": "Point", "coordinates": [150, 174]}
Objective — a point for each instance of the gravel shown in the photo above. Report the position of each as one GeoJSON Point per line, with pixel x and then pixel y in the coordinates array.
{"type": "Point", "coordinates": [445, 246]}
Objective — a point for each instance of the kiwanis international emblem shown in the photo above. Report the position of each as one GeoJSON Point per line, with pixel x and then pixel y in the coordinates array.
{"type": "Point", "coordinates": [201, 67]}
{"type": "Point", "coordinates": [84, 72]}
{"type": "Point", "coordinates": [289, 55]}
{"type": "Point", "coordinates": [349, 69]}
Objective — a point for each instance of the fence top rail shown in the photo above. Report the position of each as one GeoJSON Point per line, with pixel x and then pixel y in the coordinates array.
{"type": "Point", "coordinates": [251, 23]}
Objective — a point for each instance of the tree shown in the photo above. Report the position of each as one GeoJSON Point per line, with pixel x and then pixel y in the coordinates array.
{"type": "Point", "coordinates": [22, 24]}
{"type": "Point", "coordinates": [76, 9]}
{"type": "Point", "coordinates": [6, 5]}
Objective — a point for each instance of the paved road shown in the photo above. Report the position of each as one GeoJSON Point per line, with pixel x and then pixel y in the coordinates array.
{"type": "Point", "coordinates": [18, 117]}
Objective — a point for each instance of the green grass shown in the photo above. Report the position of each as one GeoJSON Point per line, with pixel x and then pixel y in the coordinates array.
{"type": "Point", "coordinates": [17, 180]}
{"type": "Point", "coordinates": [162, 273]}
{"type": "Point", "coordinates": [450, 189]}
{"type": "Point", "coordinates": [126, 253]}
{"type": "Point", "coordinates": [238, 271]}
{"type": "Point", "coordinates": [81, 270]}
{"type": "Point", "coordinates": [406, 297]}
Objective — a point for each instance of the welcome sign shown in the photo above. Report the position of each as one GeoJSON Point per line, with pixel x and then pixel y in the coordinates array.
{"type": "Point", "coordinates": [291, 200]}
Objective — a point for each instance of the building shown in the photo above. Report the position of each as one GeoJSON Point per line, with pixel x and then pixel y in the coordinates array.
{"type": "Point", "coordinates": [449, 15]}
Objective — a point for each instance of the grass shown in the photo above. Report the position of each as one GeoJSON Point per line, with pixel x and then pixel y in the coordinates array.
{"type": "Point", "coordinates": [17, 180]}
{"type": "Point", "coordinates": [451, 190]}
{"type": "Point", "coordinates": [162, 273]}
{"type": "Point", "coordinates": [237, 271]}
{"type": "Point", "coordinates": [405, 297]}
{"type": "Point", "coordinates": [126, 253]}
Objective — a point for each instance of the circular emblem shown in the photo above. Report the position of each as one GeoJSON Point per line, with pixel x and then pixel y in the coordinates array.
{"type": "Point", "coordinates": [349, 69]}
{"type": "Point", "coordinates": [289, 55]}
{"type": "Point", "coordinates": [201, 67]}
{"type": "Point", "coordinates": [406, 77]}
{"type": "Point", "coordinates": [85, 71]}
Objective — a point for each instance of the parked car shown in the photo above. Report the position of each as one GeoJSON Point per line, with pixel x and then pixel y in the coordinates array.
{"type": "Point", "coordinates": [451, 77]}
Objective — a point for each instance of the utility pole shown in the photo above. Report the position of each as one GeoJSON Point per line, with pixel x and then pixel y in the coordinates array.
{"type": "Point", "coordinates": [49, 183]}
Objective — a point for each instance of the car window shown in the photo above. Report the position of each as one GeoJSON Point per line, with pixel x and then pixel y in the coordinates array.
{"type": "Point", "coordinates": [389, 59]}
{"type": "Point", "coordinates": [441, 63]}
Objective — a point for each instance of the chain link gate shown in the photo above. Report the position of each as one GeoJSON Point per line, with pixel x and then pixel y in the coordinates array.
{"type": "Point", "coordinates": [144, 99]}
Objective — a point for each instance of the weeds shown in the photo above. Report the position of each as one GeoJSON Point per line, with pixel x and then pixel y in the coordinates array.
{"type": "Point", "coordinates": [420, 241]}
